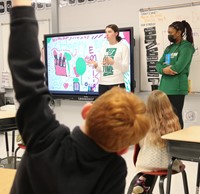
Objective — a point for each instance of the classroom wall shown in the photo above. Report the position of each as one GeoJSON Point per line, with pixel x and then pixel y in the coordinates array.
{"type": "Point", "coordinates": [96, 16]}
{"type": "Point", "coordinates": [42, 15]}
{"type": "Point", "coordinates": [91, 16]}
{"type": "Point", "coordinates": [123, 13]}
{"type": "Point", "coordinates": [153, 41]}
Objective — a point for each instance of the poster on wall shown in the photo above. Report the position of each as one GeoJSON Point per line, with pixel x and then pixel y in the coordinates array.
{"type": "Point", "coordinates": [72, 2]}
{"type": "Point", "coordinates": [2, 7]}
{"type": "Point", "coordinates": [89, 1]}
{"type": "Point", "coordinates": [153, 41]}
{"type": "Point", "coordinates": [81, 1]}
{"type": "Point", "coordinates": [8, 6]}
{"type": "Point", "coordinates": [44, 28]}
{"type": "Point", "coordinates": [48, 5]}
{"type": "Point", "coordinates": [40, 5]}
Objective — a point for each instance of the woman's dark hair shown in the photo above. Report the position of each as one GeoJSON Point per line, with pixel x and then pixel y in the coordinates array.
{"type": "Point", "coordinates": [115, 29]}
{"type": "Point", "coordinates": [185, 29]}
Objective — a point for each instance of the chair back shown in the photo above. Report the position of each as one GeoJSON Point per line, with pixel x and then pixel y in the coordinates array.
{"type": "Point", "coordinates": [153, 175]}
{"type": "Point", "coordinates": [136, 151]}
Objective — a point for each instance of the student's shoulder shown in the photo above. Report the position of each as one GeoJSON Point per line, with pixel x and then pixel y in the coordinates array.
{"type": "Point", "coordinates": [61, 131]}
{"type": "Point", "coordinates": [119, 160]}
{"type": "Point", "coordinates": [117, 163]}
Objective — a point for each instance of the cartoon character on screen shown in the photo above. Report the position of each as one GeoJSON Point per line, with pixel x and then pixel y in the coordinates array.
{"type": "Point", "coordinates": [93, 75]}
{"type": "Point", "coordinates": [64, 68]}
{"type": "Point", "coordinates": [80, 72]}
{"type": "Point", "coordinates": [60, 64]}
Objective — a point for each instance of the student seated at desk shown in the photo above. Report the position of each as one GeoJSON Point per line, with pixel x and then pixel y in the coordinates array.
{"type": "Point", "coordinates": [153, 154]}
{"type": "Point", "coordinates": [57, 161]}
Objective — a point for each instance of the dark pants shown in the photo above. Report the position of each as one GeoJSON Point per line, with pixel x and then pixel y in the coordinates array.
{"type": "Point", "coordinates": [177, 102]}
{"type": "Point", "coordinates": [104, 88]}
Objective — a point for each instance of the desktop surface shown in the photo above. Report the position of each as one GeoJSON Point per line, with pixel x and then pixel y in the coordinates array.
{"type": "Point", "coordinates": [6, 180]}
{"type": "Point", "coordinates": [191, 134]}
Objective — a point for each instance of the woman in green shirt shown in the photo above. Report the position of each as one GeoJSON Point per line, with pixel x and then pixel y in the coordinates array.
{"type": "Point", "coordinates": [174, 65]}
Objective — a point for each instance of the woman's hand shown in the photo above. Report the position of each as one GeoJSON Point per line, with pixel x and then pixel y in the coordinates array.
{"type": "Point", "coordinates": [108, 61]}
{"type": "Point", "coordinates": [169, 71]}
{"type": "Point", "coordinates": [92, 62]}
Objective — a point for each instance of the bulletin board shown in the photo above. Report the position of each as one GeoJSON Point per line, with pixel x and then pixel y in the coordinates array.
{"type": "Point", "coordinates": [44, 28]}
{"type": "Point", "coordinates": [153, 40]}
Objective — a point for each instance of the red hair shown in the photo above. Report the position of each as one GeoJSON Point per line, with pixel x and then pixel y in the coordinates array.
{"type": "Point", "coordinates": [117, 120]}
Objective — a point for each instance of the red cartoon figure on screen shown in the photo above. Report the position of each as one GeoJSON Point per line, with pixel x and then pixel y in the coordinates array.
{"type": "Point", "coordinates": [60, 61]}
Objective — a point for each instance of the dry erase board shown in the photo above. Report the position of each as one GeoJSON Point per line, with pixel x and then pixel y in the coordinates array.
{"type": "Point", "coordinates": [153, 40]}
{"type": "Point", "coordinates": [44, 28]}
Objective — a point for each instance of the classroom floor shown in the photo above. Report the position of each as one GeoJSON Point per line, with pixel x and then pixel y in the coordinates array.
{"type": "Point", "coordinates": [176, 187]}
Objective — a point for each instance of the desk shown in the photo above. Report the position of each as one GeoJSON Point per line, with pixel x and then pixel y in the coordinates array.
{"type": "Point", "coordinates": [8, 123]}
{"type": "Point", "coordinates": [184, 145]}
{"type": "Point", "coordinates": [6, 180]}
{"type": "Point", "coordinates": [7, 113]}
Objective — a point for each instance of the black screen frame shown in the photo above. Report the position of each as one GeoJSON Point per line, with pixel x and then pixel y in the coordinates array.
{"type": "Point", "coordinates": [86, 96]}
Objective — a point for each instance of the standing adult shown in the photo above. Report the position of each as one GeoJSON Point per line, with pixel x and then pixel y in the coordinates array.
{"type": "Point", "coordinates": [174, 65]}
{"type": "Point", "coordinates": [113, 61]}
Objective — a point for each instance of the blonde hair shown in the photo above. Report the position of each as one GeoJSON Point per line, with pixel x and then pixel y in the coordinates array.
{"type": "Point", "coordinates": [117, 119]}
{"type": "Point", "coordinates": [163, 119]}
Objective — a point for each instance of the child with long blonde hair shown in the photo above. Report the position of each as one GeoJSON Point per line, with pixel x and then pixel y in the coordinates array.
{"type": "Point", "coordinates": [153, 154]}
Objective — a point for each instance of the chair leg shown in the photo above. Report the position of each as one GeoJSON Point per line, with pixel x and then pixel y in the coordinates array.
{"type": "Point", "coordinates": [153, 182]}
{"type": "Point", "coordinates": [198, 178]}
{"type": "Point", "coordinates": [7, 146]}
{"type": "Point", "coordinates": [161, 184]}
{"type": "Point", "coordinates": [15, 158]}
{"type": "Point", "coordinates": [169, 175]}
{"type": "Point", "coordinates": [130, 189]}
{"type": "Point", "coordinates": [185, 183]}
{"type": "Point", "coordinates": [13, 142]}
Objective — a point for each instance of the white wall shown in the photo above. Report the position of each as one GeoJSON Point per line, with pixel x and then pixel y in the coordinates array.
{"type": "Point", "coordinates": [124, 13]}
{"type": "Point", "coordinates": [4, 21]}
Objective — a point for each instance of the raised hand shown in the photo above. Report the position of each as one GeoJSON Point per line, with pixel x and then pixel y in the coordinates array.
{"type": "Point", "coordinates": [21, 3]}
{"type": "Point", "coordinates": [108, 61]}
{"type": "Point", "coordinates": [92, 62]}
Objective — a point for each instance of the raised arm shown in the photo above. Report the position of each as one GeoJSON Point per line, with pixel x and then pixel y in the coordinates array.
{"type": "Point", "coordinates": [35, 119]}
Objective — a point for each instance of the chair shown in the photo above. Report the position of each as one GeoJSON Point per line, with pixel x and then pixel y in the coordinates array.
{"type": "Point", "coordinates": [161, 174]}
{"type": "Point", "coordinates": [8, 125]}
{"type": "Point", "coordinates": [20, 146]}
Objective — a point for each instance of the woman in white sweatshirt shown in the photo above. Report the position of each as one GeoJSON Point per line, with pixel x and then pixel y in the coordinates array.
{"type": "Point", "coordinates": [113, 61]}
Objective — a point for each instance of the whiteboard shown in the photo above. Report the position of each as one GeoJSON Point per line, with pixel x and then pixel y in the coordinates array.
{"type": "Point", "coordinates": [153, 40]}
{"type": "Point", "coordinates": [44, 28]}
